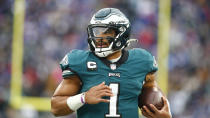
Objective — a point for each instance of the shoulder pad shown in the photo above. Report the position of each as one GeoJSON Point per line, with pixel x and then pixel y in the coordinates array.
{"type": "Point", "coordinates": [143, 55]}
{"type": "Point", "coordinates": [73, 59]}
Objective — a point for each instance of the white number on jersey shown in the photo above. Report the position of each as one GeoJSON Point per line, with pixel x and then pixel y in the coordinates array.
{"type": "Point", "coordinates": [113, 101]}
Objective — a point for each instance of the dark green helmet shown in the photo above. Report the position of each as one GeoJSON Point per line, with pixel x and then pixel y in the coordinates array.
{"type": "Point", "coordinates": [102, 21]}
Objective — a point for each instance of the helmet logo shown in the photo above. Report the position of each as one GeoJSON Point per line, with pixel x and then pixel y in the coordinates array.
{"type": "Point", "coordinates": [111, 22]}
{"type": "Point", "coordinates": [98, 22]}
{"type": "Point", "coordinates": [118, 44]}
{"type": "Point", "coordinates": [121, 22]}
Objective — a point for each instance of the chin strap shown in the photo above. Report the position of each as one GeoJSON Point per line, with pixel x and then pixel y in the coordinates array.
{"type": "Point", "coordinates": [103, 54]}
{"type": "Point", "coordinates": [107, 53]}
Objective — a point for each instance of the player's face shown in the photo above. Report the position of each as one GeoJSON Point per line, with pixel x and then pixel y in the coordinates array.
{"type": "Point", "coordinates": [104, 38]}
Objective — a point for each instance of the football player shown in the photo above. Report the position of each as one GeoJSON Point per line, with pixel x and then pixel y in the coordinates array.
{"type": "Point", "coordinates": [105, 81]}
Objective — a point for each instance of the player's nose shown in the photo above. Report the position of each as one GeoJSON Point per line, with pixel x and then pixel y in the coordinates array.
{"type": "Point", "coordinates": [101, 39]}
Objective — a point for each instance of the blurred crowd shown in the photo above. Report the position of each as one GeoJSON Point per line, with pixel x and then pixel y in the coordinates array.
{"type": "Point", "coordinates": [53, 28]}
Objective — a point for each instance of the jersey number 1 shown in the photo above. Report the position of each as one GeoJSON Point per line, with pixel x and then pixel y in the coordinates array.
{"type": "Point", "coordinates": [113, 102]}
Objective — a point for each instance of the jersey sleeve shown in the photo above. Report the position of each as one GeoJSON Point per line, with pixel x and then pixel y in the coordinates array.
{"type": "Point", "coordinates": [65, 67]}
{"type": "Point", "coordinates": [74, 63]}
{"type": "Point", "coordinates": [153, 66]}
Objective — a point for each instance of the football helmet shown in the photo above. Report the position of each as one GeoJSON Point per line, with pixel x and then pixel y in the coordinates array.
{"type": "Point", "coordinates": [108, 20]}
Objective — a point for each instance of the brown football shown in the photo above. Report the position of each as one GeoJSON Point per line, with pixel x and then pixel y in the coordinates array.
{"type": "Point", "coordinates": [150, 95]}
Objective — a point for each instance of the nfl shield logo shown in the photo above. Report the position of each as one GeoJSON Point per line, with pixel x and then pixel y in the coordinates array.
{"type": "Point", "coordinates": [113, 66]}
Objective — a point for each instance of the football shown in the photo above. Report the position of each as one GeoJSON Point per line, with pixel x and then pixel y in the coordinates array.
{"type": "Point", "coordinates": [150, 95]}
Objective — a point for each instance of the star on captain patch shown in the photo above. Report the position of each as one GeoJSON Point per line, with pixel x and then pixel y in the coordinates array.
{"type": "Point", "coordinates": [113, 66]}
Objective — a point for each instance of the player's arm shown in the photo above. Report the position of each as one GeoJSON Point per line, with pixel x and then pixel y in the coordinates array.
{"type": "Point", "coordinates": [165, 111]}
{"type": "Point", "coordinates": [67, 100]}
{"type": "Point", "coordinates": [67, 97]}
{"type": "Point", "coordinates": [150, 80]}
{"type": "Point", "coordinates": [68, 87]}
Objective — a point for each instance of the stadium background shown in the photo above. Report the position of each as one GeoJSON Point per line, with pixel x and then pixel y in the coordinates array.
{"type": "Point", "coordinates": [53, 28]}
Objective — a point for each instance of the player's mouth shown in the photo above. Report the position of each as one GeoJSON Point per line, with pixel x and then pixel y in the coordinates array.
{"type": "Point", "coordinates": [100, 44]}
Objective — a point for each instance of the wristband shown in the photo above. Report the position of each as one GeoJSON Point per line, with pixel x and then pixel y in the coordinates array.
{"type": "Point", "coordinates": [83, 98]}
{"type": "Point", "coordinates": [75, 102]}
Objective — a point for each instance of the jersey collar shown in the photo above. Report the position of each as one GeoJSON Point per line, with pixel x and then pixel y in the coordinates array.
{"type": "Point", "coordinates": [122, 59]}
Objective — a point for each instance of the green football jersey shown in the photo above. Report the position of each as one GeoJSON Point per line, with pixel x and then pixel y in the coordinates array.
{"type": "Point", "coordinates": [125, 77]}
